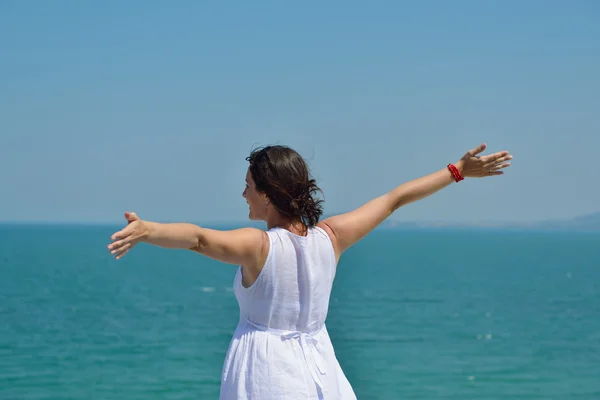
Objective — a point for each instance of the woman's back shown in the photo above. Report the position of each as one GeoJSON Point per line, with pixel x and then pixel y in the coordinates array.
{"type": "Point", "coordinates": [293, 289]}
{"type": "Point", "coordinates": [281, 348]}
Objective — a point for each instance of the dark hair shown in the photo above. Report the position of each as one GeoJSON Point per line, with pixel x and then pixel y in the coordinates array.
{"type": "Point", "coordinates": [282, 174]}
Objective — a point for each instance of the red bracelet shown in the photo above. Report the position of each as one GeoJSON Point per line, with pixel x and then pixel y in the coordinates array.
{"type": "Point", "coordinates": [455, 173]}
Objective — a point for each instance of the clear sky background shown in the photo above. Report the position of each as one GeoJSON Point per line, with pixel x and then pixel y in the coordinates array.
{"type": "Point", "coordinates": [152, 106]}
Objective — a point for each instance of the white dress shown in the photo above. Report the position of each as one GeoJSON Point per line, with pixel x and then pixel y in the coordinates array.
{"type": "Point", "coordinates": [281, 348]}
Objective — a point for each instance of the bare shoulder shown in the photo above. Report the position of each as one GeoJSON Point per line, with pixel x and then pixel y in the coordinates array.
{"type": "Point", "coordinates": [325, 226]}
{"type": "Point", "coordinates": [242, 246]}
{"type": "Point", "coordinates": [253, 240]}
{"type": "Point", "coordinates": [257, 245]}
{"type": "Point", "coordinates": [331, 233]}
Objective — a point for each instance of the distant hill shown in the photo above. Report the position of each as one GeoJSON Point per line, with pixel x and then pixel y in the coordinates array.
{"type": "Point", "coordinates": [589, 222]}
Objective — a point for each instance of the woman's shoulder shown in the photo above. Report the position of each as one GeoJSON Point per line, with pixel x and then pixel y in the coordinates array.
{"type": "Point", "coordinates": [324, 228]}
{"type": "Point", "coordinates": [330, 234]}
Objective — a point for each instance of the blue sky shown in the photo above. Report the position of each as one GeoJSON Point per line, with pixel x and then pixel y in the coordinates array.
{"type": "Point", "coordinates": [153, 106]}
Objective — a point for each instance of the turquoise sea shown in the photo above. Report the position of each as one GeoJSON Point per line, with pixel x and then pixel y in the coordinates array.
{"type": "Point", "coordinates": [415, 314]}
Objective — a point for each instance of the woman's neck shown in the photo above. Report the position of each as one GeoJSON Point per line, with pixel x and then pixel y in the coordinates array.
{"type": "Point", "coordinates": [294, 226]}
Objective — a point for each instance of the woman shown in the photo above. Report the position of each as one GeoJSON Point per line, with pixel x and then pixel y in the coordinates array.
{"type": "Point", "coordinates": [281, 348]}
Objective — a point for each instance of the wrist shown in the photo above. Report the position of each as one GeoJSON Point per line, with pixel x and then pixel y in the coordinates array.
{"type": "Point", "coordinates": [456, 171]}
{"type": "Point", "coordinates": [147, 230]}
{"type": "Point", "coordinates": [460, 166]}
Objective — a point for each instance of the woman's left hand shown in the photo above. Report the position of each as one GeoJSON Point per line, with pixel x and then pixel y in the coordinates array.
{"type": "Point", "coordinates": [472, 165]}
{"type": "Point", "coordinates": [132, 234]}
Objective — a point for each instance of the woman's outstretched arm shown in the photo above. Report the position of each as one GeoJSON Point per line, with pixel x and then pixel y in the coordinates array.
{"type": "Point", "coordinates": [247, 246]}
{"type": "Point", "coordinates": [347, 229]}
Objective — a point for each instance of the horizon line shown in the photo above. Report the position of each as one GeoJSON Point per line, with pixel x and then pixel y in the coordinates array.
{"type": "Point", "coordinates": [250, 222]}
{"type": "Point", "coordinates": [390, 225]}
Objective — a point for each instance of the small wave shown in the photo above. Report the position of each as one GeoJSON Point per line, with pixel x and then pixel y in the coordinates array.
{"type": "Point", "coordinates": [384, 339]}
{"type": "Point", "coordinates": [420, 300]}
{"type": "Point", "coordinates": [208, 289]}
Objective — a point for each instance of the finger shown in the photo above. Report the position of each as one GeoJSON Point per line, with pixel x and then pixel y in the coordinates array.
{"type": "Point", "coordinates": [119, 245]}
{"type": "Point", "coordinates": [120, 255]}
{"type": "Point", "coordinates": [498, 161]}
{"type": "Point", "coordinates": [131, 216]}
{"type": "Point", "coordinates": [497, 167]}
{"type": "Point", "coordinates": [500, 166]}
{"type": "Point", "coordinates": [122, 234]}
{"type": "Point", "coordinates": [477, 149]}
{"type": "Point", "coordinates": [120, 251]}
{"type": "Point", "coordinates": [493, 158]}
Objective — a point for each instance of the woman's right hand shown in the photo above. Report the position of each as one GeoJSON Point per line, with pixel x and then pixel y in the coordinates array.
{"type": "Point", "coordinates": [473, 166]}
{"type": "Point", "coordinates": [132, 234]}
